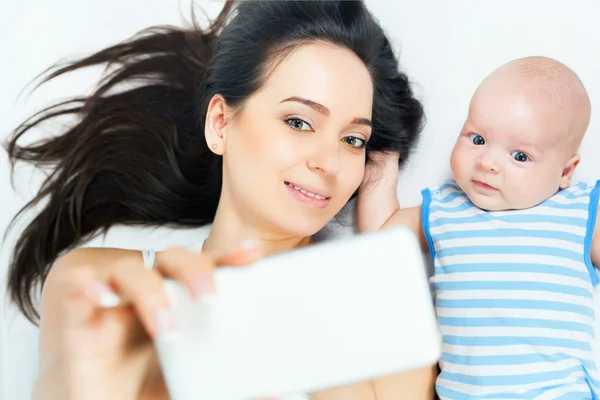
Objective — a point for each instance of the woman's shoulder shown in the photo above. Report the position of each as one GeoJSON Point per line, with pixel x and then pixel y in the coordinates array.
{"type": "Point", "coordinates": [155, 238]}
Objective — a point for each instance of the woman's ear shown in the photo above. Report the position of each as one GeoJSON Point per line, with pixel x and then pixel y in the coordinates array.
{"type": "Point", "coordinates": [568, 170]}
{"type": "Point", "coordinates": [215, 128]}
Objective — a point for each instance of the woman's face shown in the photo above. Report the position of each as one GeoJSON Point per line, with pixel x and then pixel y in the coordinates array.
{"type": "Point", "coordinates": [295, 153]}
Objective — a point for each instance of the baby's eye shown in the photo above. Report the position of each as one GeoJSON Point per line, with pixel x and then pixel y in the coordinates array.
{"type": "Point", "coordinates": [477, 139]}
{"type": "Point", "coordinates": [354, 142]}
{"type": "Point", "coordinates": [519, 156]}
{"type": "Point", "coordinates": [298, 124]}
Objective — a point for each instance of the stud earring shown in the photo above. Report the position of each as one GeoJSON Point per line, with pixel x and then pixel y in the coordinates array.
{"type": "Point", "coordinates": [214, 146]}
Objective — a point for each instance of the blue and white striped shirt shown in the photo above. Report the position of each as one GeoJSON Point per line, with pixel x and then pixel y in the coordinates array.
{"type": "Point", "coordinates": [514, 295]}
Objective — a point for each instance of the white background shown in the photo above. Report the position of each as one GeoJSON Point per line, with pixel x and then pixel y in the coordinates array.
{"type": "Point", "coordinates": [447, 47]}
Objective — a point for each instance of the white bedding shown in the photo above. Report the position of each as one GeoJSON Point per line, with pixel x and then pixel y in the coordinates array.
{"type": "Point", "coordinates": [447, 47]}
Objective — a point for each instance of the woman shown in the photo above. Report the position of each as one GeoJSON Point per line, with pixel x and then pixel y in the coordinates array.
{"type": "Point", "coordinates": [261, 125]}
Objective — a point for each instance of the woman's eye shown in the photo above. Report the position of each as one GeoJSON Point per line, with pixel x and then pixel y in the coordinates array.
{"type": "Point", "coordinates": [298, 124]}
{"type": "Point", "coordinates": [519, 156]}
{"type": "Point", "coordinates": [477, 139]}
{"type": "Point", "coordinates": [354, 142]}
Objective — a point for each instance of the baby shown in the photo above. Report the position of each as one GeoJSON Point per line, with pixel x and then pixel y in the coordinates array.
{"type": "Point", "coordinates": [512, 240]}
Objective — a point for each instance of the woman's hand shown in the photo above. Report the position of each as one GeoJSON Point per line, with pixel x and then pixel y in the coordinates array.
{"type": "Point", "coordinates": [382, 167]}
{"type": "Point", "coordinates": [377, 198]}
{"type": "Point", "coordinates": [101, 307]}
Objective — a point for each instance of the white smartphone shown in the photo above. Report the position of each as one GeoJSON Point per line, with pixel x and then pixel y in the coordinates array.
{"type": "Point", "coordinates": [326, 315]}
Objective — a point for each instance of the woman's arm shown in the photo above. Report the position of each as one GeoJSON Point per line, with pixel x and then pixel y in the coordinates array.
{"type": "Point", "coordinates": [411, 385]}
{"type": "Point", "coordinates": [595, 250]}
{"type": "Point", "coordinates": [377, 203]}
{"type": "Point", "coordinates": [377, 196]}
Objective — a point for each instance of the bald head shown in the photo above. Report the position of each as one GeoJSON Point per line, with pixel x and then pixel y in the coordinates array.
{"type": "Point", "coordinates": [557, 92]}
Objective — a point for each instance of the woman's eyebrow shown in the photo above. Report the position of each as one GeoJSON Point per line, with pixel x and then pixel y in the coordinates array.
{"type": "Point", "coordinates": [320, 108]}
{"type": "Point", "coordinates": [312, 104]}
{"type": "Point", "coordinates": [362, 121]}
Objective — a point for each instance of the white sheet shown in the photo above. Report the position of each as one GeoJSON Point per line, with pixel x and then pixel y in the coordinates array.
{"type": "Point", "coordinates": [447, 47]}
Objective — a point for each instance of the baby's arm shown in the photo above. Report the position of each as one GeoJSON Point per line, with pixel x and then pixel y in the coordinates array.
{"type": "Point", "coordinates": [377, 202]}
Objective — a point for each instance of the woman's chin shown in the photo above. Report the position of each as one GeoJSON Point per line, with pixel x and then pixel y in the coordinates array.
{"type": "Point", "coordinates": [304, 226]}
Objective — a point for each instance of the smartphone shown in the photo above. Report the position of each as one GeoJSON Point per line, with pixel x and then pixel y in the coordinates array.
{"type": "Point", "coordinates": [325, 315]}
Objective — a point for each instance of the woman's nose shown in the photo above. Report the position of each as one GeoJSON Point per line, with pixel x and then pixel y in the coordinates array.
{"type": "Point", "coordinates": [326, 158]}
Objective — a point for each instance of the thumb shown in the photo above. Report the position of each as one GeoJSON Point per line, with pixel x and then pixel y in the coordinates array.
{"type": "Point", "coordinates": [78, 302]}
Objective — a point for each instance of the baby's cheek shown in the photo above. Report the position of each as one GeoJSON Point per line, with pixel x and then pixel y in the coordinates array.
{"type": "Point", "coordinates": [517, 179]}
{"type": "Point", "coordinates": [454, 160]}
{"type": "Point", "coordinates": [458, 161]}
{"type": "Point", "coordinates": [523, 188]}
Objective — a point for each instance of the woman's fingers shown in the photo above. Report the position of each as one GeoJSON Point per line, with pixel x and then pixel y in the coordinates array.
{"type": "Point", "coordinates": [144, 289]}
{"type": "Point", "coordinates": [80, 299]}
{"type": "Point", "coordinates": [246, 254]}
{"type": "Point", "coordinates": [195, 270]}
{"type": "Point", "coordinates": [192, 269]}
{"type": "Point", "coordinates": [84, 322]}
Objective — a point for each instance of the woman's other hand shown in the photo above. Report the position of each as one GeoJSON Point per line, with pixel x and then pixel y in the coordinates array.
{"type": "Point", "coordinates": [100, 309]}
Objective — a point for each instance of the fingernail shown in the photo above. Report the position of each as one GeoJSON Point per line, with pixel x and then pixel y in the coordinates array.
{"type": "Point", "coordinates": [104, 295]}
{"type": "Point", "coordinates": [164, 321]}
{"type": "Point", "coordinates": [203, 285]}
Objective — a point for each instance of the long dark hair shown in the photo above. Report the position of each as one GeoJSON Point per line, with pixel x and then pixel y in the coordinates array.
{"type": "Point", "coordinates": [137, 153]}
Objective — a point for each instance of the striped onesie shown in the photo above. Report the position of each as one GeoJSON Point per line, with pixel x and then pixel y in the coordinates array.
{"type": "Point", "coordinates": [513, 295]}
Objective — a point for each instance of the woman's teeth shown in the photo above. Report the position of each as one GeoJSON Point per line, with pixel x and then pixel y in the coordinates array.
{"type": "Point", "coordinates": [306, 192]}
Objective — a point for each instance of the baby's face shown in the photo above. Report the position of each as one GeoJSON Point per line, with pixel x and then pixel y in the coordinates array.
{"type": "Point", "coordinates": [512, 152]}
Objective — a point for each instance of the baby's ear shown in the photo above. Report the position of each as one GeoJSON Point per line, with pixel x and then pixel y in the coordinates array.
{"type": "Point", "coordinates": [569, 168]}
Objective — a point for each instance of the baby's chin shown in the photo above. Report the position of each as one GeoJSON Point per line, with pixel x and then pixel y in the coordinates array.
{"type": "Point", "coordinates": [488, 204]}
{"type": "Point", "coordinates": [497, 203]}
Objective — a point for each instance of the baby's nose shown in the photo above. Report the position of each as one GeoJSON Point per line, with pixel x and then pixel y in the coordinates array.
{"type": "Point", "coordinates": [486, 163]}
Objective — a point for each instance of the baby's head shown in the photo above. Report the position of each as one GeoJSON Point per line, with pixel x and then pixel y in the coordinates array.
{"type": "Point", "coordinates": [518, 145]}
